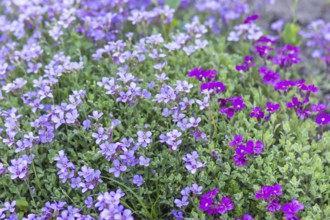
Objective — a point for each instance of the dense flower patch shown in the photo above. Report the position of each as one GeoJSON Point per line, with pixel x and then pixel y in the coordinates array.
{"type": "Point", "coordinates": [169, 109]}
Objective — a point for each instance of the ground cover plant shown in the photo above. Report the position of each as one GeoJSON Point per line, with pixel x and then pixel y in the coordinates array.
{"type": "Point", "coordinates": [146, 109]}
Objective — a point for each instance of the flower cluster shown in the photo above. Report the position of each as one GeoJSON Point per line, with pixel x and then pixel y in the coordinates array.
{"type": "Point", "coordinates": [57, 209]}
{"type": "Point", "coordinates": [246, 31]}
{"type": "Point", "coordinates": [209, 86]}
{"type": "Point", "coordinates": [77, 87]}
{"type": "Point", "coordinates": [191, 162]}
{"type": "Point", "coordinates": [108, 204]}
{"type": "Point", "coordinates": [9, 210]}
{"type": "Point", "coordinates": [256, 112]}
{"type": "Point", "coordinates": [248, 63]}
{"type": "Point", "coordinates": [317, 36]}
{"type": "Point", "coordinates": [241, 150]}
{"type": "Point", "coordinates": [291, 209]}
{"type": "Point", "coordinates": [87, 178]}
{"type": "Point", "coordinates": [19, 167]}
{"type": "Point", "coordinates": [192, 190]}
{"type": "Point", "coordinates": [270, 195]}
{"type": "Point", "coordinates": [212, 206]}
{"type": "Point", "coordinates": [236, 104]}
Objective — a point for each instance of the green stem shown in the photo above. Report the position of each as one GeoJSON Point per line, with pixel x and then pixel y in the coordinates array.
{"type": "Point", "coordinates": [34, 202]}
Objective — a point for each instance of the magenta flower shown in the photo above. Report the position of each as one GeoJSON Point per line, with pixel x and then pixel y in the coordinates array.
{"type": "Point", "coordinates": [269, 194]}
{"type": "Point", "coordinates": [248, 63]}
{"type": "Point", "coordinates": [226, 205]}
{"type": "Point", "coordinates": [236, 141]}
{"type": "Point", "coordinates": [269, 76]}
{"type": "Point", "coordinates": [230, 112]}
{"type": "Point", "coordinates": [264, 193]}
{"type": "Point", "coordinates": [201, 74]}
{"type": "Point", "coordinates": [273, 206]}
{"type": "Point", "coordinates": [238, 103]}
{"type": "Point", "coordinates": [239, 159]}
{"type": "Point", "coordinates": [284, 85]}
{"type": "Point", "coordinates": [251, 18]}
{"type": "Point", "coordinates": [294, 104]}
{"type": "Point", "coordinates": [322, 119]}
{"type": "Point", "coordinates": [318, 108]}
{"type": "Point", "coordinates": [292, 208]}
{"type": "Point", "coordinates": [257, 113]}
{"type": "Point", "coordinates": [258, 147]}
{"type": "Point", "coordinates": [210, 205]}
{"type": "Point", "coordinates": [272, 107]}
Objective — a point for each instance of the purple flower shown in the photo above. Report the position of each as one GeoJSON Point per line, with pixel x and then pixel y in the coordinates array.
{"type": "Point", "coordinates": [258, 147]}
{"type": "Point", "coordinates": [318, 108]}
{"type": "Point", "coordinates": [89, 202]}
{"type": "Point", "coordinates": [292, 208]}
{"type": "Point", "coordinates": [172, 139]}
{"type": "Point", "coordinates": [272, 107]}
{"type": "Point", "coordinates": [269, 76]}
{"type": "Point", "coordinates": [144, 161]}
{"type": "Point", "coordinates": [294, 104]}
{"type": "Point", "coordinates": [277, 190]}
{"type": "Point", "coordinates": [251, 18]}
{"type": "Point", "coordinates": [46, 134]}
{"type": "Point", "coordinates": [181, 203]}
{"type": "Point", "coordinates": [137, 180]}
{"type": "Point", "coordinates": [191, 162]}
{"type": "Point", "coordinates": [9, 206]}
{"type": "Point", "coordinates": [239, 159]}
{"type": "Point", "coordinates": [71, 116]}
{"type": "Point", "coordinates": [226, 205]}
{"type": "Point", "coordinates": [269, 194]}
{"type": "Point", "coordinates": [18, 168]}
{"type": "Point", "coordinates": [322, 119]}
{"type": "Point", "coordinates": [203, 104]}
{"type": "Point", "coordinates": [257, 113]}
{"type": "Point", "coordinates": [209, 204]}
{"type": "Point", "coordinates": [87, 124]}
{"type": "Point", "coordinates": [178, 215]}
{"type": "Point", "coordinates": [238, 103]}
{"type": "Point", "coordinates": [196, 189]}
{"type": "Point", "coordinates": [277, 25]}
{"type": "Point", "coordinates": [247, 217]}
{"type": "Point", "coordinates": [248, 63]}
{"type": "Point", "coordinates": [96, 115]}
{"type": "Point", "coordinates": [75, 182]}
{"type": "Point", "coordinates": [117, 168]}
{"type": "Point", "coordinates": [273, 206]}
{"type": "Point", "coordinates": [100, 135]}
{"type": "Point", "coordinates": [108, 150]}
{"type": "Point", "coordinates": [264, 193]}
{"type": "Point", "coordinates": [144, 138]}
{"type": "Point", "coordinates": [2, 169]}
{"type": "Point", "coordinates": [247, 149]}
{"type": "Point", "coordinates": [193, 122]}
{"type": "Point", "coordinates": [186, 191]}
{"type": "Point", "coordinates": [236, 141]}
{"type": "Point", "coordinates": [283, 85]}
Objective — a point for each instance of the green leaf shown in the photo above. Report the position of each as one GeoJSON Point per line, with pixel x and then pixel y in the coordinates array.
{"type": "Point", "coordinates": [290, 34]}
{"type": "Point", "coordinates": [22, 204]}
